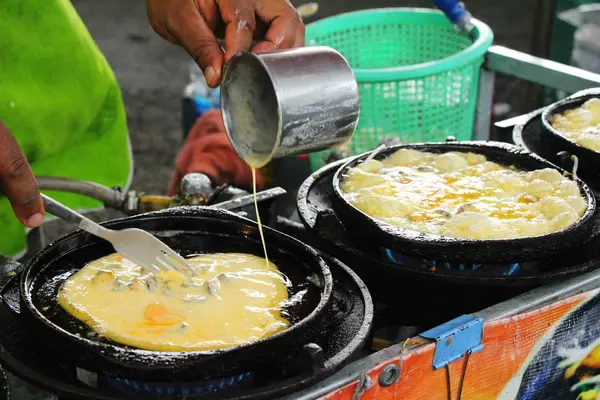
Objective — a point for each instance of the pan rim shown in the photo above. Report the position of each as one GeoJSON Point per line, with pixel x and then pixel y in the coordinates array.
{"type": "Point", "coordinates": [569, 103]}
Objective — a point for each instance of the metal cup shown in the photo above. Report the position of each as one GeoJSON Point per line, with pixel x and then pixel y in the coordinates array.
{"type": "Point", "coordinates": [288, 102]}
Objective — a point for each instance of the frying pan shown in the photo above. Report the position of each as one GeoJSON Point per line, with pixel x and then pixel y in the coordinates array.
{"type": "Point", "coordinates": [190, 230]}
{"type": "Point", "coordinates": [350, 320]}
{"type": "Point", "coordinates": [531, 135]}
{"type": "Point", "coordinates": [478, 251]}
{"type": "Point", "coordinates": [315, 210]}
{"type": "Point", "coordinates": [589, 160]}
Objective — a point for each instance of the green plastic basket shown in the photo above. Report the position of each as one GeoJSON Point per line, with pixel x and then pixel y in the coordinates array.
{"type": "Point", "coordinates": [418, 77]}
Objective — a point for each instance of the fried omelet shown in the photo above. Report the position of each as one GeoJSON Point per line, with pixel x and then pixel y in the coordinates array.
{"type": "Point", "coordinates": [237, 299]}
{"type": "Point", "coordinates": [463, 195]}
{"type": "Point", "coordinates": [580, 125]}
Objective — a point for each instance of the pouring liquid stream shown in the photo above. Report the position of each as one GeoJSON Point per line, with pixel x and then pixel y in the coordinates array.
{"type": "Point", "coordinates": [260, 228]}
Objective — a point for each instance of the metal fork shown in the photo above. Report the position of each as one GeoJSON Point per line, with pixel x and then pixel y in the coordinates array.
{"type": "Point", "coordinates": [134, 244]}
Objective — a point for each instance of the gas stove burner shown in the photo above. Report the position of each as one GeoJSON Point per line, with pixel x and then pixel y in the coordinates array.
{"type": "Point", "coordinates": [381, 270]}
{"type": "Point", "coordinates": [507, 269]}
{"type": "Point", "coordinates": [342, 338]}
{"type": "Point", "coordinates": [179, 389]}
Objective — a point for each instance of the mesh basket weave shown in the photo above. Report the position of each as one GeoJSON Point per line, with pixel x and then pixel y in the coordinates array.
{"type": "Point", "coordinates": [417, 76]}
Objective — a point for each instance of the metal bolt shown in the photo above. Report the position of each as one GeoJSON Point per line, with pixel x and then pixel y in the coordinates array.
{"type": "Point", "coordinates": [388, 375]}
{"type": "Point", "coordinates": [131, 202]}
{"type": "Point", "coordinates": [195, 184]}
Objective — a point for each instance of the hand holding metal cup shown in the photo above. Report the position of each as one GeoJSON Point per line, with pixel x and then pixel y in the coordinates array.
{"type": "Point", "coordinates": [288, 102]}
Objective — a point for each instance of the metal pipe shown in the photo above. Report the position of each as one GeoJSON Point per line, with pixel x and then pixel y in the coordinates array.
{"type": "Point", "coordinates": [109, 197]}
{"type": "Point", "coordinates": [485, 97]}
{"type": "Point", "coordinates": [243, 201]}
{"type": "Point", "coordinates": [520, 120]}
{"type": "Point", "coordinates": [540, 71]}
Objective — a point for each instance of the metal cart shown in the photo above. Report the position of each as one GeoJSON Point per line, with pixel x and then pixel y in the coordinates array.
{"type": "Point", "coordinates": [493, 353]}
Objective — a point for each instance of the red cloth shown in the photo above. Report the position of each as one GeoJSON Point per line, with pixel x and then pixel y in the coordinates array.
{"type": "Point", "coordinates": [207, 150]}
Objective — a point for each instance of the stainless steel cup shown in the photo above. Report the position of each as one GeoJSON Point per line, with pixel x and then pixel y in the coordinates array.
{"type": "Point", "coordinates": [288, 102]}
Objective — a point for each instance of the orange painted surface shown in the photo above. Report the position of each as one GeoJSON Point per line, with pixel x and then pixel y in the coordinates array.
{"type": "Point", "coordinates": [507, 343]}
{"type": "Point", "coordinates": [375, 392]}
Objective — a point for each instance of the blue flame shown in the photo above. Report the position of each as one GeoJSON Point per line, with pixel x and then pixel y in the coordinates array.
{"type": "Point", "coordinates": [178, 389]}
{"type": "Point", "coordinates": [509, 269]}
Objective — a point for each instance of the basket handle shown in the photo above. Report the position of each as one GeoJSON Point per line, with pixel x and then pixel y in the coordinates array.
{"type": "Point", "coordinates": [456, 13]}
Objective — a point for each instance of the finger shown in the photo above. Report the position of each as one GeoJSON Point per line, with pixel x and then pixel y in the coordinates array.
{"type": "Point", "coordinates": [17, 181]}
{"type": "Point", "coordinates": [155, 11]}
{"type": "Point", "coordinates": [190, 29]}
{"type": "Point", "coordinates": [284, 25]}
{"type": "Point", "coordinates": [264, 47]}
{"type": "Point", "coordinates": [300, 36]}
{"type": "Point", "coordinates": [238, 15]}
{"type": "Point", "coordinates": [165, 34]}
{"type": "Point", "coordinates": [210, 12]}
{"type": "Point", "coordinates": [281, 35]}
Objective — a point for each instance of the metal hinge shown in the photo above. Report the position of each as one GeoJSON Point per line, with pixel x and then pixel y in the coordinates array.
{"type": "Point", "coordinates": [364, 383]}
{"type": "Point", "coordinates": [455, 338]}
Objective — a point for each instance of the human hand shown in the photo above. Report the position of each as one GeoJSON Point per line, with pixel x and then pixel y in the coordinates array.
{"type": "Point", "coordinates": [195, 25]}
{"type": "Point", "coordinates": [17, 181]}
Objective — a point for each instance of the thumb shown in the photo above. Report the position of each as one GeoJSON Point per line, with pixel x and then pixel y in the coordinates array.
{"type": "Point", "coordinates": [17, 181]}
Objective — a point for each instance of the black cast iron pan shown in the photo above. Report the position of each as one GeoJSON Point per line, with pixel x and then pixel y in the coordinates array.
{"type": "Point", "coordinates": [532, 136]}
{"type": "Point", "coordinates": [346, 331]}
{"type": "Point", "coordinates": [453, 249]}
{"type": "Point", "coordinates": [444, 290]}
{"type": "Point", "coordinates": [589, 160]}
{"type": "Point", "coordinates": [315, 208]}
{"type": "Point", "coordinates": [190, 231]}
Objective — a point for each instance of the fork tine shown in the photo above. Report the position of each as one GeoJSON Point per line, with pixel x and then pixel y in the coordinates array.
{"type": "Point", "coordinates": [173, 266]}
{"type": "Point", "coordinates": [179, 259]}
{"type": "Point", "coordinates": [164, 264]}
{"type": "Point", "coordinates": [153, 268]}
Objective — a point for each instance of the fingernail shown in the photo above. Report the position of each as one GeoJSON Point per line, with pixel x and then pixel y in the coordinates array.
{"type": "Point", "coordinates": [35, 220]}
{"type": "Point", "coordinates": [209, 74]}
